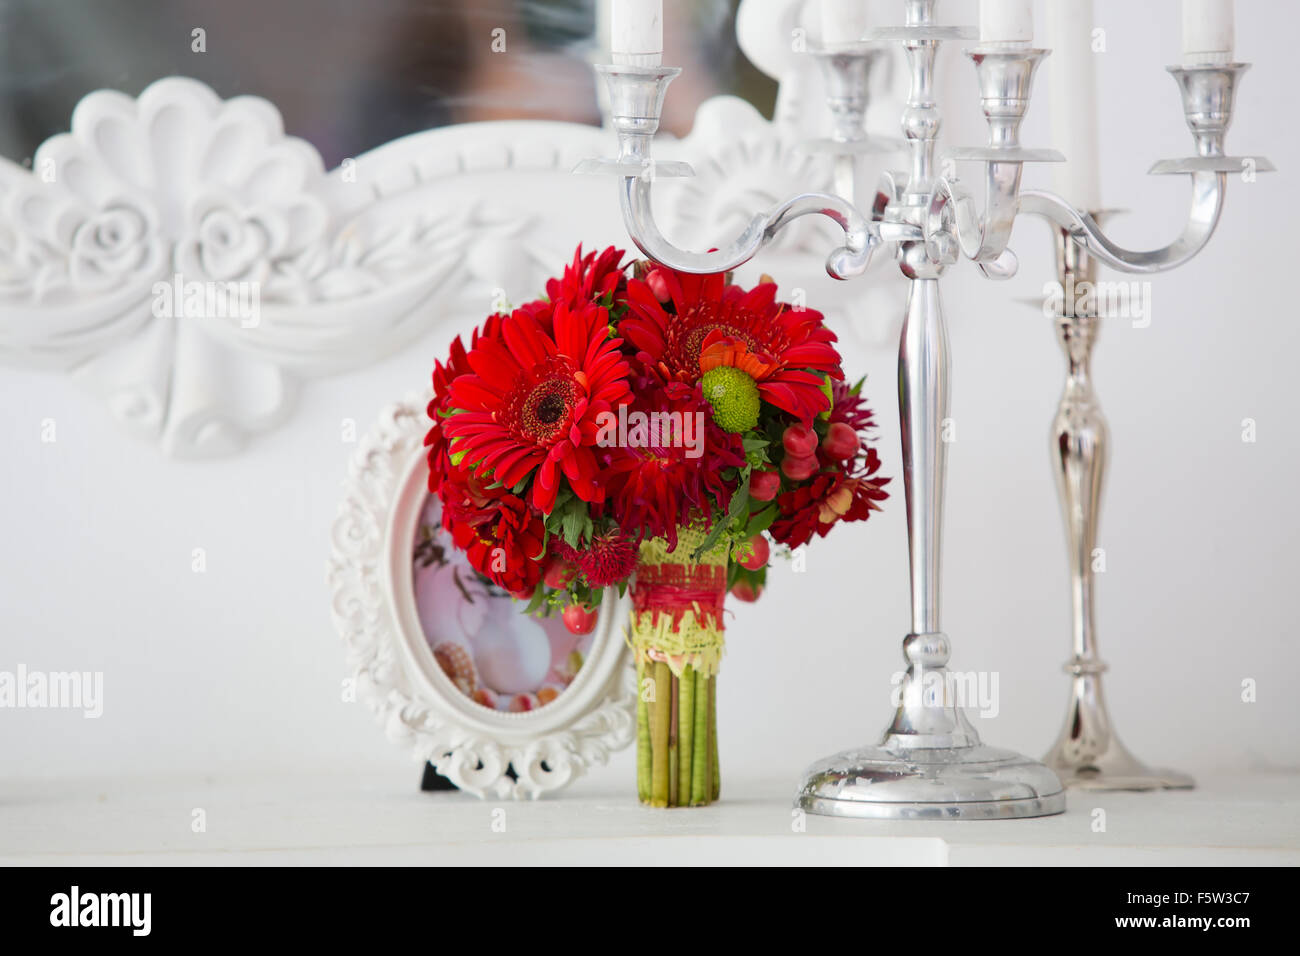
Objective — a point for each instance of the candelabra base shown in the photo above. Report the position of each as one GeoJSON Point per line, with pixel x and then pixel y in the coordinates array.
{"type": "Point", "coordinates": [1088, 754]}
{"type": "Point", "coordinates": [1113, 769]}
{"type": "Point", "coordinates": [958, 783]}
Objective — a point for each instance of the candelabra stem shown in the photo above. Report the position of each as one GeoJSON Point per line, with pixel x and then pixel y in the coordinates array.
{"type": "Point", "coordinates": [1088, 753]}
{"type": "Point", "coordinates": [923, 409]}
{"type": "Point", "coordinates": [930, 763]}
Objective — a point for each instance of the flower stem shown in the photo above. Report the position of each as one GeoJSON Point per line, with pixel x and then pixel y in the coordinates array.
{"type": "Point", "coordinates": [700, 758]}
{"type": "Point", "coordinates": [659, 739]}
{"type": "Point", "coordinates": [686, 735]}
{"type": "Point", "coordinates": [642, 736]}
{"type": "Point", "coordinates": [673, 744]}
{"type": "Point", "coordinates": [715, 787]}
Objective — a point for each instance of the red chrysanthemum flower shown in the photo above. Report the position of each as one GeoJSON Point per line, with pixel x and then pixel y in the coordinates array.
{"type": "Point", "coordinates": [590, 278]}
{"type": "Point", "coordinates": [533, 403]}
{"type": "Point", "coordinates": [669, 471]}
{"type": "Point", "coordinates": [846, 492]}
{"type": "Point", "coordinates": [608, 559]}
{"type": "Point", "coordinates": [501, 536]}
{"type": "Point", "coordinates": [440, 465]}
{"type": "Point", "coordinates": [830, 496]}
{"type": "Point", "coordinates": [850, 407]}
{"type": "Point", "coordinates": [786, 352]}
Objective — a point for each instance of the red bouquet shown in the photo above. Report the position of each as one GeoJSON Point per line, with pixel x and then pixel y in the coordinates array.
{"type": "Point", "coordinates": [640, 425]}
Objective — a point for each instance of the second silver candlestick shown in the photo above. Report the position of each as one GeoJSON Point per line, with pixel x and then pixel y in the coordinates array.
{"type": "Point", "coordinates": [1088, 754]}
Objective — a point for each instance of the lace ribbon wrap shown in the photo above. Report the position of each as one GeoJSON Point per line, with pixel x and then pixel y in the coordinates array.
{"type": "Point", "coordinates": [677, 604]}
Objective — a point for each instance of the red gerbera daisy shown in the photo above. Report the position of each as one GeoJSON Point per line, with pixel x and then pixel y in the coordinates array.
{"type": "Point", "coordinates": [443, 375]}
{"type": "Point", "coordinates": [593, 278]}
{"type": "Point", "coordinates": [590, 278]}
{"type": "Point", "coordinates": [534, 400]}
{"type": "Point", "coordinates": [543, 310]}
{"type": "Point", "coordinates": [500, 535]}
{"type": "Point", "coordinates": [668, 470]}
{"type": "Point", "coordinates": [786, 352]}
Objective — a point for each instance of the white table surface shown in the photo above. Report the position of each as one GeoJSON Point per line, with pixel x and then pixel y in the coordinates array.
{"type": "Point", "coordinates": [384, 819]}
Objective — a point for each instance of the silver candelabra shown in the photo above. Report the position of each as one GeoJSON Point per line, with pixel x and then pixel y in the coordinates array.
{"type": "Point", "coordinates": [930, 762]}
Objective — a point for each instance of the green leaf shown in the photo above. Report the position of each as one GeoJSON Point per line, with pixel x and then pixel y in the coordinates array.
{"type": "Point", "coordinates": [710, 539]}
{"type": "Point", "coordinates": [539, 596]}
{"type": "Point", "coordinates": [740, 500]}
{"type": "Point", "coordinates": [736, 573]}
{"type": "Point", "coordinates": [562, 497]}
{"type": "Point", "coordinates": [739, 507]}
{"type": "Point", "coordinates": [570, 519]}
{"type": "Point", "coordinates": [761, 521]}
{"type": "Point", "coordinates": [756, 450]}
{"type": "Point", "coordinates": [561, 517]}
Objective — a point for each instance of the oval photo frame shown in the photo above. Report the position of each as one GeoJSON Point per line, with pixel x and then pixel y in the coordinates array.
{"type": "Point", "coordinates": [481, 750]}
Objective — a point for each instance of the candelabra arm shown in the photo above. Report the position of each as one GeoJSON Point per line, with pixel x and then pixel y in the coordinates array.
{"type": "Point", "coordinates": [861, 238]}
{"type": "Point", "coordinates": [636, 101]}
{"type": "Point", "coordinates": [1208, 92]}
{"type": "Point", "coordinates": [953, 214]}
{"type": "Point", "coordinates": [953, 223]}
{"type": "Point", "coordinates": [1207, 205]}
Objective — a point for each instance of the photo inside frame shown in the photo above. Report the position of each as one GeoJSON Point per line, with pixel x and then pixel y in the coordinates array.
{"type": "Point", "coordinates": [498, 656]}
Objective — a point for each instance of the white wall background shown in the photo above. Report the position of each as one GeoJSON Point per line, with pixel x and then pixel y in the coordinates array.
{"type": "Point", "coordinates": [240, 669]}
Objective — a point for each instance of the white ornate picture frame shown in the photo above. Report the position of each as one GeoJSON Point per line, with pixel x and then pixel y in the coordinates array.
{"type": "Point", "coordinates": [396, 673]}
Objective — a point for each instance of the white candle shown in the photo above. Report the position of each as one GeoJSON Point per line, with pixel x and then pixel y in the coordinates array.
{"type": "Point", "coordinates": [1073, 82]}
{"type": "Point", "coordinates": [843, 21]}
{"type": "Point", "coordinates": [1207, 31]}
{"type": "Point", "coordinates": [1006, 21]}
{"type": "Point", "coordinates": [636, 32]}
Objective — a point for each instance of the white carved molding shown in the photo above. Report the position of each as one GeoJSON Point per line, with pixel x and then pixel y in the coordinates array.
{"type": "Point", "coordinates": [374, 610]}
{"type": "Point", "coordinates": [148, 202]}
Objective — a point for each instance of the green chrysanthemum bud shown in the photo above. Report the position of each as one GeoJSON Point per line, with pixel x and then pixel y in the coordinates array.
{"type": "Point", "coordinates": [830, 399]}
{"type": "Point", "coordinates": [734, 397]}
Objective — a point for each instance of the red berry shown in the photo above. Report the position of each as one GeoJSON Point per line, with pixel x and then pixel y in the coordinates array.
{"type": "Point", "coordinates": [658, 285]}
{"type": "Point", "coordinates": [841, 442]}
{"type": "Point", "coordinates": [753, 554]}
{"type": "Point", "coordinates": [800, 469]}
{"type": "Point", "coordinates": [763, 485]}
{"type": "Point", "coordinates": [799, 440]}
{"type": "Point", "coordinates": [558, 573]}
{"type": "Point", "coordinates": [745, 591]}
{"type": "Point", "coordinates": [580, 619]}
